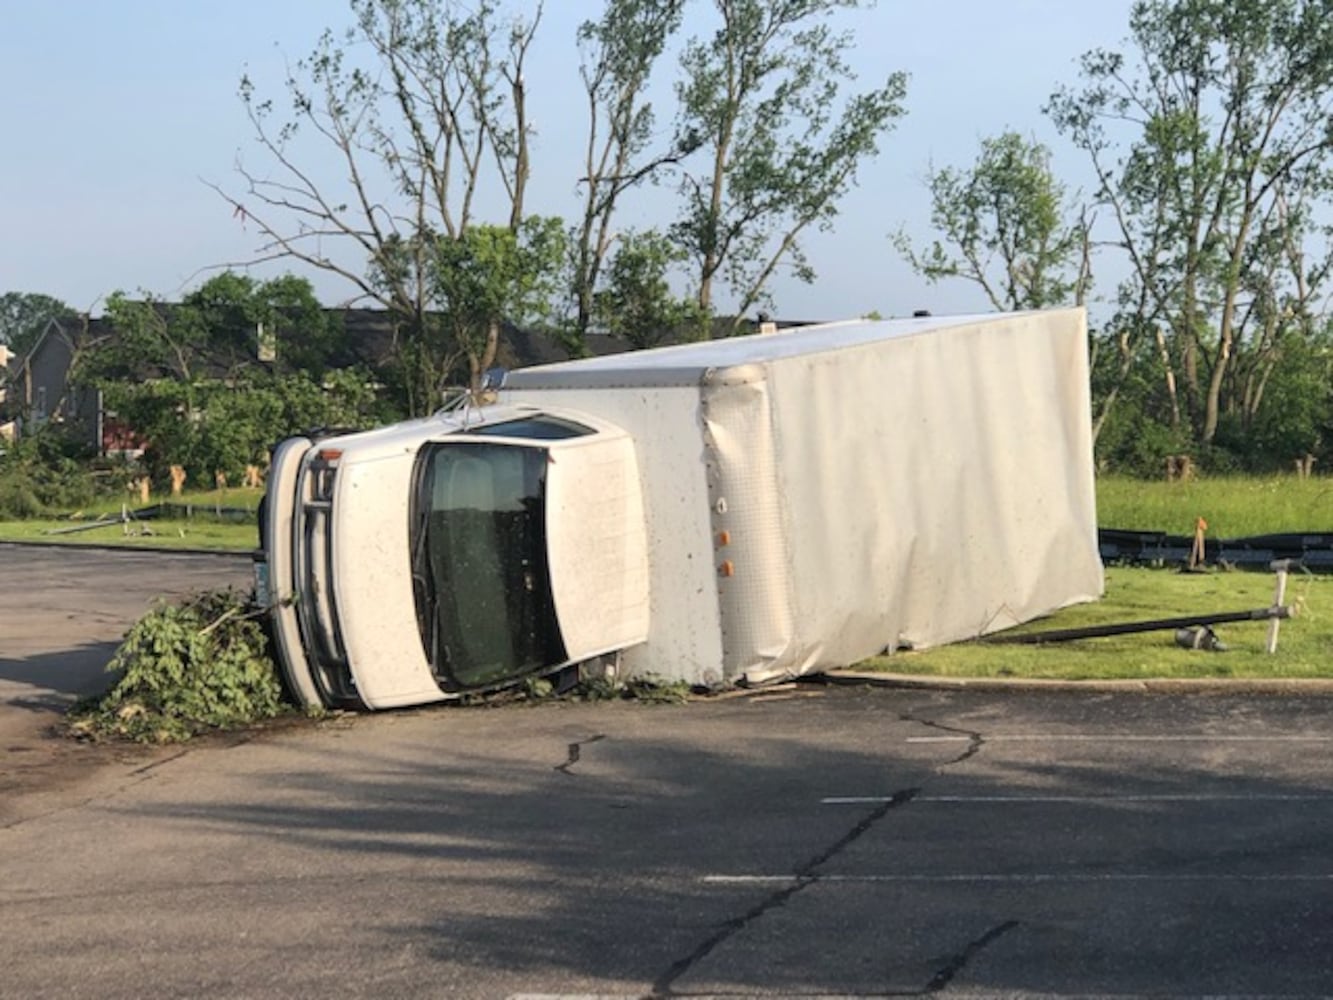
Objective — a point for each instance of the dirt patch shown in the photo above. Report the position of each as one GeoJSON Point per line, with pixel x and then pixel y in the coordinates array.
{"type": "Point", "coordinates": [65, 612]}
{"type": "Point", "coordinates": [44, 770]}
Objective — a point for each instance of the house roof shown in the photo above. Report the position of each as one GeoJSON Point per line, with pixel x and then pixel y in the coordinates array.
{"type": "Point", "coordinates": [370, 336]}
{"type": "Point", "coordinates": [73, 325]}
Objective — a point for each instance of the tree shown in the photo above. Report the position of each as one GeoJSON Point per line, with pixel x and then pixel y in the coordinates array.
{"type": "Point", "coordinates": [188, 376]}
{"type": "Point", "coordinates": [619, 53]}
{"type": "Point", "coordinates": [760, 99]}
{"type": "Point", "coordinates": [636, 301]}
{"type": "Point", "coordinates": [1004, 225]}
{"type": "Point", "coordinates": [1210, 148]}
{"type": "Point", "coordinates": [23, 317]}
{"type": "Point", "coordinates": [490, 274]}
{"type": "Point", "coordinates": [436, 113]}
{"type": "Point", "coordinates": [1294, 419]}
{"type": "Point", "coordinates": [223, 329]}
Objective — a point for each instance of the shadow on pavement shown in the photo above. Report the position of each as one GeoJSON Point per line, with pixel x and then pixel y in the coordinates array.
{"type": "Point", "coordinates": [584, 849]}
{"type": "Point", "coordinates": [78, 671]}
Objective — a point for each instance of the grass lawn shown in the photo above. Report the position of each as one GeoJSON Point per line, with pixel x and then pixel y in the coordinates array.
{"type": "Point", "coordinates": [1233, 506]}
{"type": "Point", "coordinates": [1305, 642]}
{"type": "Point", "coordinates": [198, 526]}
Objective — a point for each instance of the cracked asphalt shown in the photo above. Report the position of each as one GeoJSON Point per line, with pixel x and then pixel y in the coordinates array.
{"type": "Point", "coordinates": [812, 841]}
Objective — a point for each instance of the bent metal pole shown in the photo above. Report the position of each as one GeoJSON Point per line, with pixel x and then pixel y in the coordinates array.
{"type": "Point", "coordinates": [1274, 614]}
{"type": "Point", "coordinates": [1125, 628]}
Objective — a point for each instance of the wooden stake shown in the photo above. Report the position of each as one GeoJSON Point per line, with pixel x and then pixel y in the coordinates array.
{"type": "Point", "coordinates": [1197, 552]}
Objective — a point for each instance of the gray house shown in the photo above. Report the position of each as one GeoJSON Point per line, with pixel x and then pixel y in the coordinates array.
{"type": "Point", "coordinates": [40, 389]}
{"type": "Point", "coordinates": [8, 426]}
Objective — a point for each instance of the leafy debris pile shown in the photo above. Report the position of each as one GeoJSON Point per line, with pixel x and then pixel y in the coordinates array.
{"type": "Point", "coordinates": [187, 668]}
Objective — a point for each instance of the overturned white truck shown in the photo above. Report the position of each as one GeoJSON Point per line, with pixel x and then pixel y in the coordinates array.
{"type": "Point", "coordinates": [736, 511]}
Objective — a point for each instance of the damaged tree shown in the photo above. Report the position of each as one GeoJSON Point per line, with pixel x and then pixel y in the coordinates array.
{"type": "Point", "coordinates": [437, 113]}
{"type": "Point", "coordinates": [762, 100]}
{"type": "Point", "coordinates": [1211, 142]}
{"type": "Point", "coordinates": [620, 51]}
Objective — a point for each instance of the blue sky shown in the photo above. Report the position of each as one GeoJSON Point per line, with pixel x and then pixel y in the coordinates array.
{"type": "Point", "coordinates": [117, 112]}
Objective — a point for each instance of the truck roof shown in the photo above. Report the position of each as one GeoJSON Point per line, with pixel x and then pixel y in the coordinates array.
{"type": "Point", "coordinates": [688, 364]}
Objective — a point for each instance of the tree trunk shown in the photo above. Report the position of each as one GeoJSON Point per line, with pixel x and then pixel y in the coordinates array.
{"type": "Point", "coordinates": [480, 364]}
{"type": "Point", "coordinates": [1170, 374]}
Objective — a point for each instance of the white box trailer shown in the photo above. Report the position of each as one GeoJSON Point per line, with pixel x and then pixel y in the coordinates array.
{"type": "Point", "coordinates": [728, 512]}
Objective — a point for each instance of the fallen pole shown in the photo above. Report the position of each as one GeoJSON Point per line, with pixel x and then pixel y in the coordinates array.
{"type": "Point", "coordinates": [100, 523]}
{"type": "Point", "coordinates": [1126, 628]}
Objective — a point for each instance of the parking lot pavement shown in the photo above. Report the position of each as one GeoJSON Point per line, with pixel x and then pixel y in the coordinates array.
{"type": "Point", "coordinates": [799, 842]}
{"type": "Point", "coordinates": [815, 841]}
{"type": "Point", "coordinates": [63, 610]}
{"type": "Point", "coordinates": [57, 601]}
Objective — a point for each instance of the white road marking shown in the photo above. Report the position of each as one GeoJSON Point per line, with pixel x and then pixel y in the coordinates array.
{"type": "Point", "coordinates": [1118, 738]}
{"type": "Point", "coordinates": [1031, 878]}
{"type": "Point", "coordinates": [849, 800]}
{"type": "Point", "coordinates": [939, 739]}
{"type": "Point", "coordinates": [647, 994]}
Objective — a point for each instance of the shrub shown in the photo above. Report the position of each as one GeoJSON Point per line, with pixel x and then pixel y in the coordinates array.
{"type": "Point", "coordinates": [214, 426]}
{"type": "Point", "coordinates": [45, 473]}
{"type": "Point", "coordinates": [202, 664]}
{"type": "Point", "coordinates": [1135, 444]}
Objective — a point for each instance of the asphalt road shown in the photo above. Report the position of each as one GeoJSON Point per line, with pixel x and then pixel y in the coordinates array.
{"type": "Point", "coordinates": [63, 611]}
{"type": "Point", "coordinates": [813, 841]}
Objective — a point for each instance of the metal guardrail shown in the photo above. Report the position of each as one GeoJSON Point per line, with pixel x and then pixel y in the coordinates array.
{"type": "Point", "coordinates": [187, 511]}
{"type": "Point", "coordinates": [1312, 550]}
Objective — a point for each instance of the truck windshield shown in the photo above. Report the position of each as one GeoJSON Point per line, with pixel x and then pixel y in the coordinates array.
{"type": "Point", "coordinates": [483, 591]}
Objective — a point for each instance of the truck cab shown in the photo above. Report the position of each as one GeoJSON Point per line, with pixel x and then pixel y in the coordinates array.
{"type": "Point", "coordinates": [459, 553]}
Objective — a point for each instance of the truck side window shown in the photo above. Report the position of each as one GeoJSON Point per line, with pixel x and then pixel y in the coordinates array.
{"type": "Point", "coordinates": [542, 427]}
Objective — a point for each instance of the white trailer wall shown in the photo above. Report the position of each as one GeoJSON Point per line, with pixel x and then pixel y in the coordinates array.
{"type": "Point", "coordinates": [817, 496]}
{"type": "Point", "coordinates": [931, 488]}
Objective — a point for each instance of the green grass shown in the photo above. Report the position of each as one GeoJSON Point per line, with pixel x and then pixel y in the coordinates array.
{"type": "Point", "coordinates": [198, 529]}
{"type": "Point", "coordinates": [194, 534]}
{"type": "Point", "coordinates": [1305, 642]}
{"type": "Point", "coordinates": [1233, 506]}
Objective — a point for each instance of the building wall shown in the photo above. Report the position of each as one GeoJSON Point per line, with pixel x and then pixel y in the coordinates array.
{"type": "Point", "coordinates": [44, 390]}
{"type": "Point", "coordinates": [7, 428]}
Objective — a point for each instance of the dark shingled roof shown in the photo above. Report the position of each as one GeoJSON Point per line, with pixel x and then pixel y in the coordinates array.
{"type": "Point", "coordinates": [370, 337]}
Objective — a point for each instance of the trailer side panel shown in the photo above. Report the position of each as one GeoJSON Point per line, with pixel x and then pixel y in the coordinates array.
{"type": "Point", "coordinates": [939, 487]}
